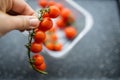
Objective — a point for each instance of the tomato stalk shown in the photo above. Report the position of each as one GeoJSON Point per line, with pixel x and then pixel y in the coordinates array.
{"type": "Point", "coordinates": [30, 37]}
{"type": "Point", "coordinates": [42, 12]}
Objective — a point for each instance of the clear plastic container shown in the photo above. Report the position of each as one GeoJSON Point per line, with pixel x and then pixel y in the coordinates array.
{"type": "Point", "coordinates": [84, 22]}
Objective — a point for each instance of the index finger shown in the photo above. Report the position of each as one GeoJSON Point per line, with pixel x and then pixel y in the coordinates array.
{"type": "Point", "coordinates": [21, 7]}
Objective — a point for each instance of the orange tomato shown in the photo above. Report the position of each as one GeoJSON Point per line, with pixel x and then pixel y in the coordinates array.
{"type": "Point", "coordinates": [36, 47]}
{"type": "Point", "coordinates": [45, 15]}
{"type": "Point", "coordinates": [39, 36]}
{"type": "Point", "coordinates": [48, 37]}
{"type": "Point", "coordinates": [37, 59]}
{"type": "Point", "coordinates": [70, 20]}
{"type": "Point", "coordinates": [58, 46]}
{"type": "Point", "coordinates": [51, 3]}
{"type": "Point", "coordinates": [45, 24]}
{"type": "Point", "coordinates": [70, 32]}
{"type": "Point", "coordinates": [53, 29]}
{"type": "Point", "coordinates": [54, 37]}
{"type": "Point", "coordinates": [42, 3]}
{"type": "Point", "coordinates": [60, 23]}
{"type": "Point", "coordinates": [54, 12]}
{"type": "Point", "coordinates": [59, 5]}
{"type": "Point", "coordinates": [41, 67]}
{"type": "Point", "coordinates": [49, 45]}
{"type": "Point", "coordinates": [65, 13]}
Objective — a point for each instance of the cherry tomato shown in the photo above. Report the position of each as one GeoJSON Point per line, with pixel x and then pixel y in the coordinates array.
{"type": "Point", "coordinates": [39, 36]}
{"type": "Point", "coordinates": [36, 47]}
{"type": "Point", "coordinates": [42, 3]}
{"type": "Point", "coordinates": [53, 29]}
{"type": "Point", "coordinates": [38, 59]}
{"type": "Point", "coordinates": [45, 24]}
{"type": "Point", "coordinates": [70, 32]}
{"type": "Point", "coordinates": [47, 37]}
{"type": "Point", "coordinates": [41, 67]}
{"type": "Point", "coordinates": [49, 45]}
{"type": "Point", "coordinates": [70, 20]}
{"type": "Point", "coordinates": [54, 11]}
{"type": "Point", "coordinates": [59, 5]}
{"type": "Point", "coordinates": [65, 13]}
{"type": "Point", "coordinates": [45, 15]}
{"type": "Point", "coordinates": [60, 23]}
{"type": "Point", "coordinates": [54, 37]}
{"type": "Point", "coordinates": [51, 3]}
{"type": "Point", "coordinates": [58, 46]}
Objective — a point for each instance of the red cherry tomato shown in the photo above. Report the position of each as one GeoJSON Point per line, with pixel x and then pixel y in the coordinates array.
{"type": "Point", "coordinates": [45, 24]}
{"type": "Point", "coordinates": [49, 45]}
{"type": "Point", "coordinates": [59, 5]}
{"type": "Point", "coordinates": [36, 47]}
{"type": "Point", "coordinates": [70, 32]}
{"type": "Point", "coordinates": [42, 3]}
{"type": "Point", "coordinates": [65, 13]}
{"type": "Point", "coordinates": [70, 20]}
{"type": "Point", "coordinates": [60, 23]}
{"type": "Point", "coordinates": [38, 59]}
{"type": "Point", "coordinates": [53, 29]}
{"type": "Point", "coordinates": [39, 36]}
{"type": "Point", "coordinates": [51, 3]}
{"type": "Point", "coordinates": [41, 67]}
{"type": "Point", "coordinates": [45, 15]}
{"type": "Point", "coordinates": [54, 11]}
{"type": "Point", "coordinates": [58, 46]}
{"type": "Point", "coordinates": [54, 37]}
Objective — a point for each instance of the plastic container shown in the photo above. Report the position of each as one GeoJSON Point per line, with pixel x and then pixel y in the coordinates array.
{"type": "Point", "coordinates": [84, 22]}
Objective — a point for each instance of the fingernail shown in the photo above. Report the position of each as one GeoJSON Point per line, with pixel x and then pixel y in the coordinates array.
{"type": "Point", "coordinates": [34, 22]}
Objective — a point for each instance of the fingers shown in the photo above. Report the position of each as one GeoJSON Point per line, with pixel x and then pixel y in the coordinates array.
{"type": "Point", "coordinates": [24, 22]}
{"type": "Point", "coordinates": [21, 7]}
{"type": "Point", "coordinates": [9, 23]}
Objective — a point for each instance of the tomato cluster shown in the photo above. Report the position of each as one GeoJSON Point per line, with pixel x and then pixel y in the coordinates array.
{"type": "Point", "coordinates": [38, 61]}
{"type": "Point", "coordinates": [64, 22]}
{"type": "Point", "coordinates": [46, 35]}
{"type": "Point", "coordinates": [51, 41]}
{"type": "Point", "coordinates": [38, 36]}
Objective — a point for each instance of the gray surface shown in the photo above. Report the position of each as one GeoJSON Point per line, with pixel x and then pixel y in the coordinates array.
{"type": "Point", "coordinates": [95, 57]}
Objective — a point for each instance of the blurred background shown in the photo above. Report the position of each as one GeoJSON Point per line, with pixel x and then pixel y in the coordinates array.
{"type": "Point", "coordinates": [95, 57]}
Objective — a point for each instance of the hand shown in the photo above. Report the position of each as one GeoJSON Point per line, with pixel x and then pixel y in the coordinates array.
{"type": "Point", "coordinates": [16, 15]}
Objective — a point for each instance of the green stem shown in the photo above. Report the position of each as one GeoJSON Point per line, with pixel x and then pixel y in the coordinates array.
{"type": "Point", "coordinates": [28, 52]}
{"type": "Point", "coordinates": [42, 12]}
{"type": "Point", "coordinates": [30, 37]}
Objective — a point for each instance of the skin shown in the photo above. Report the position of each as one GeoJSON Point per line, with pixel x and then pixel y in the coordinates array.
{"type": "Point", "coordinates": [16, 15]}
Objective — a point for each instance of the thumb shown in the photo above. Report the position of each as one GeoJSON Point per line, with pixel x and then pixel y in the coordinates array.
{"type": "Point", "coordinates": [24, 22]}
{"type": "Point", "coordinates": [9, 23]}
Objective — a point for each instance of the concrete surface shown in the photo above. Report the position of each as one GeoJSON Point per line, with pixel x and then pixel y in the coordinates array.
{"type": "Point", "coordinates": [95, 57]}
